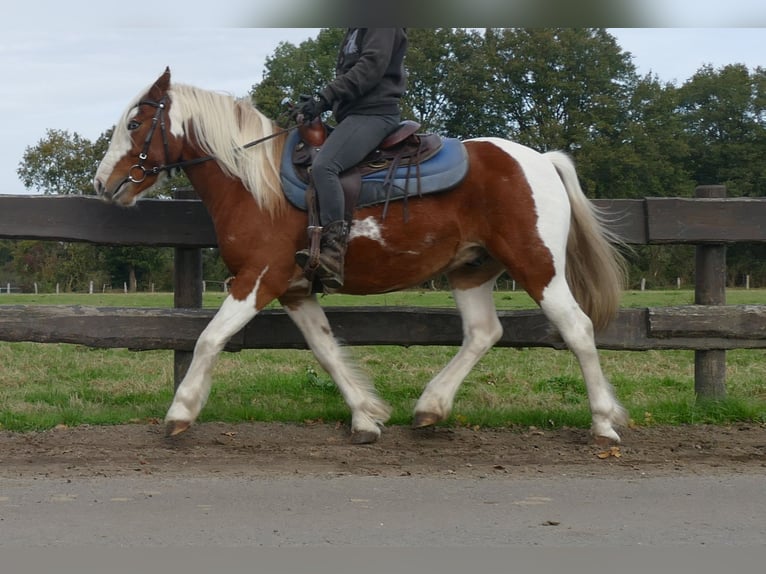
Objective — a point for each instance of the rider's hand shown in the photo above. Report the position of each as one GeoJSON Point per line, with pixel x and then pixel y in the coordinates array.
{"type": "Point", "coordinates": [311, 107]}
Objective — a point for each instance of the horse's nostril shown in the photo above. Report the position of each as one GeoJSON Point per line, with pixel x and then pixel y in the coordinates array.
{"type": "Point", "coordinates": [101, 189]}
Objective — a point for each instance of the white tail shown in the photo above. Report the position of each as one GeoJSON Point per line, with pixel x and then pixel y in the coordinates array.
{"type": "Point", "coordinates": [595, 269]}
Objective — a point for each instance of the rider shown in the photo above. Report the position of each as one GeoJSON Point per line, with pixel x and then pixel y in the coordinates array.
{"type": "Point", "coordinates": [364, 97]}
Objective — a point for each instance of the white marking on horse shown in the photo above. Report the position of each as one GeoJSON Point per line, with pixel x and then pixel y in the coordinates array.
{"type": "Point", "coordinates": [119, 146]}
{"type": "Point", "coordinates": [481, 330]}
{"type": "Point", "coordinates": [368, 228]}
{"type": "Point", "coordinates": [193, 391]}
{"type": "Point", "coordinates": [548, 192]}
{"type": "Point", "coordinates": [368, 411]}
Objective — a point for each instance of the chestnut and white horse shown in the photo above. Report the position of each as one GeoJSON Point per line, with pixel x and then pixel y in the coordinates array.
{"type": "Point", "coordinates": [515, 210]}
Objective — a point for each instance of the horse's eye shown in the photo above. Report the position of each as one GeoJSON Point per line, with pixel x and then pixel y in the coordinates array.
{"type": "Point", "coordinates": [133, 125]}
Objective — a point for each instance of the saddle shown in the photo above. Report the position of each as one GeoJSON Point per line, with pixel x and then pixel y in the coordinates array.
{"type": "Point", "coordinates": [383, 176]}
{"type": "Point", "coordinates": [404, 147]}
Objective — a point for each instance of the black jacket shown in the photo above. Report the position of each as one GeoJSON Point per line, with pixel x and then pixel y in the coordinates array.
{"type": "Point", "coordinates": [369, 75]}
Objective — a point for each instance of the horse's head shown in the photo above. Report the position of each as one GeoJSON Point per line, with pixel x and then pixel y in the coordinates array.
{"type": "Point", "coordinates": [143, 149]}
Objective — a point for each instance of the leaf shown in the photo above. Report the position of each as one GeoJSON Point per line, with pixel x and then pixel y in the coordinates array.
{"type": "Point", "coordinates": [612, 452]}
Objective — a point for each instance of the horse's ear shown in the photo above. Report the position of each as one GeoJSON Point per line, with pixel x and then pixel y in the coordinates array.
{"type": "Point", "coordinates": [161, 85]}
{"type": "Point", "coordinates": [163, 82]}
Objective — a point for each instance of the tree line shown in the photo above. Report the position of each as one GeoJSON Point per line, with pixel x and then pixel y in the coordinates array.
{"type": "Point", "coordinates": [573, 89]}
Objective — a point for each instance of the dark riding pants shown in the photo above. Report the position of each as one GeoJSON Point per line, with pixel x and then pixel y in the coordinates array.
{"type": "Point", "coordinates": [348, 144]}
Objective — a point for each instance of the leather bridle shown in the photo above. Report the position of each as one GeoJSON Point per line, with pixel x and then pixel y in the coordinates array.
{"type": "Point", "coordinates": [158, 119]}
{"type": "Point", "coordinates": [138, 172]}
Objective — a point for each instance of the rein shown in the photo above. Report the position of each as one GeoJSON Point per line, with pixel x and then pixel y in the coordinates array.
{"type": "Point", "coordinates": [159, 119]}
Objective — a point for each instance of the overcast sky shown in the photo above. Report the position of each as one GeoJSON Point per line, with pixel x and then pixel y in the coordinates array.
{"type": "Point", "coordinates": [80, 78]}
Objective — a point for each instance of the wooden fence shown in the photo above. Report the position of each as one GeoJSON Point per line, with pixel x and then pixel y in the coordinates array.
{"type": "Point", "coordinates": [709, 326]}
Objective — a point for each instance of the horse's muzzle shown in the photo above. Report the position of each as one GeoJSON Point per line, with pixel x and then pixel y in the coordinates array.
{"type": "Point", "coordinates": [102, 191]}
{"type": "Point", "coordinates": [110, 196]}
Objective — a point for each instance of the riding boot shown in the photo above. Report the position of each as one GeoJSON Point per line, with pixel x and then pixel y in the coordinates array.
{"type": "Point", "coordinates": [332, 253]}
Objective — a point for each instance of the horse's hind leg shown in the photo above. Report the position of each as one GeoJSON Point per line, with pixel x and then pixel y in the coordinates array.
{"type": "Point", "coordinates": [368, 411]}
{"type": "Point", "coordinates": [576, 329]}
{"type": "Point", "coordinates": [481, 330]}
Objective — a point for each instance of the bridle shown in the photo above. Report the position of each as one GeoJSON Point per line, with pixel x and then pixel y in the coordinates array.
{"type": "Point", "coordinates": [138, 172]}
{"type": "Point", "coordinates": [158, 119]}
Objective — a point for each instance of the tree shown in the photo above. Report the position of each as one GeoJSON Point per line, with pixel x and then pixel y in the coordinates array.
{"type": "Point", "coordinates": [647, 155]}
{"type": "Point", "coordinates": [71, 266]}
{"type": "Point", "coordinates": [447, 77]}
{"type": "Point", "coordinates": [131, 265]}
{"type": "Point", "coordinates": [724, 111]}
{"type": "Point", "coordinates": [557, 88]}
{"type": "Point", "coordinates": [725, 118]}
{"type": "Point", "coordinates": [62, 163]}
{"type": "Point", "coordinates": [295, 70]}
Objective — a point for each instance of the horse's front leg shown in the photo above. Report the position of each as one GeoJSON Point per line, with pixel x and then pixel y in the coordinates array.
{"type": "Point", "coordinates": [368, 410]}
{"type": "Point", "coordinates": [193, 391]}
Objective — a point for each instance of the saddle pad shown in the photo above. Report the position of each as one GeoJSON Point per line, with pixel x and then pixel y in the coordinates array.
{"type": "Point", "coordinates": [443, 171]}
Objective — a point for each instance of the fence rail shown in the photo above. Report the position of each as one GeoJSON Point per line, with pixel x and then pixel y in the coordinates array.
{"type": "Point", "coordinates": [710, 327]}
{"type": "Point", "coordinates": [697, 327]}
{"type": "Point", "coordinates": [185, 222]}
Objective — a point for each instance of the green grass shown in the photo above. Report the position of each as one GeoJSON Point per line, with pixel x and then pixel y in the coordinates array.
{"type": "Point", "coordinates": [420, 298]}
{"type": "Point", "coordinates": [44, 385]}
{"type": "Point", "coordinates": [112, 299]}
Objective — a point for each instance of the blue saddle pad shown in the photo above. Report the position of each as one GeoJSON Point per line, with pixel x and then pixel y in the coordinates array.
{"type": "Point", "coordinates": [443, 171]}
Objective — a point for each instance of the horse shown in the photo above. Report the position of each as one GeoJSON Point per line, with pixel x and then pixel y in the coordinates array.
{"type": "Point", "coordinates": [516, 210]}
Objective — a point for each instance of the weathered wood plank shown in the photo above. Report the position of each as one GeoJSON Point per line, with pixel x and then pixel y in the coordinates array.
{"type": "Point", "coordinates": [722, 321]}
{"type": "Point", "coordinates": [103, 327]}
{"type": "Point", "coordinates": [185, 223]}
{"type": "Point", "coordinates": [145, 329]}
{"type": "Point", "coordinates": [706, 220]}
{"type": "Point", "coordinates": [161, 223]}
{"type": "Point", "coordinates": [626, 218]}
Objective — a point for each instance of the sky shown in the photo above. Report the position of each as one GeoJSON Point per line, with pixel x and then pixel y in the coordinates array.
{"type": "Point", "coordinates": [78, 74]}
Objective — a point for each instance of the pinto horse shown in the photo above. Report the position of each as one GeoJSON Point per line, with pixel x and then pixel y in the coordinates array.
{"type": "Point", "coordinates": [516, 210]}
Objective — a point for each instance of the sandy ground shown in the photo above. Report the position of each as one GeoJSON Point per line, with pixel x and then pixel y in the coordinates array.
{"type": "Point", "coordinates": [273, 449]}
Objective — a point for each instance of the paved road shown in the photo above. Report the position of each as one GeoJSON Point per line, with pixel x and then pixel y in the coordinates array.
{"type": "Point", "coordinates": [384, 512]}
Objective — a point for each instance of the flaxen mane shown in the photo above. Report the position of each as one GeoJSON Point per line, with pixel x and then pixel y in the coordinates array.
{"type": "Point", "coordinates": [223, 125]}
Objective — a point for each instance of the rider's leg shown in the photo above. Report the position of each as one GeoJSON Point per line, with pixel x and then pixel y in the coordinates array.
{"type": "Point", "coordinates": [348, 144]}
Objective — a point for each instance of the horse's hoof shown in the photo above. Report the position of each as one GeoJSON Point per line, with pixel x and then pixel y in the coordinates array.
{"type": "Point", "coordinates": [425, 420]}
{"type": "Point", "coordinates": [364, 437]}
{"type": "Point", "coordinates": [174, 428]}
{"type": "Point", "coordinates": [606, 441]}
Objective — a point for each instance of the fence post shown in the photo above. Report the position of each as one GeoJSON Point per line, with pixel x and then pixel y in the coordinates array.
{"type": "Point", "coordinates": [187, 289]}
{"type": "Point", "coordinates": [710, 289]}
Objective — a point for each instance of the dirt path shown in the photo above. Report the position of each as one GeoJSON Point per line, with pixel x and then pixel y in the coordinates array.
{"type": "Point", "coordinates": [272, 449]}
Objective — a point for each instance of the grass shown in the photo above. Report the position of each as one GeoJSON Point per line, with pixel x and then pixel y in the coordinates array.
{"type": "Point", "coordinates": [44, 385]}
{"type": "Point", "coordinates": [421, 298]}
